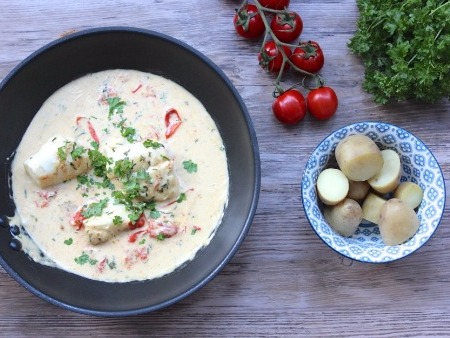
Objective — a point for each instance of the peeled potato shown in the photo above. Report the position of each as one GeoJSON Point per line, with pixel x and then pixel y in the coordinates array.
{"type": "Point", "coordinates": [358, 190]}
{"type": "Point", "coordinates": [398, 222]}
{"type": "Point", "coordinates": [371, 207]}
{"type": "Point", "coordinates": [344, 217]}
{"type": "Point", "coordinates": [389, 177]}
{"type": "Point", "coordinates": [332, 186]}
{"type": "Point", "coordinates": [358, 157]}
{"type": "Point", "coordinates": [409, 192]}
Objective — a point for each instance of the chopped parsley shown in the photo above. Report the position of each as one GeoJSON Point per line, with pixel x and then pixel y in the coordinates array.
{"type": "Point", "coordinates": [68, 241]}
{"type": "Point", "coordinates": [116, 106]}
{"type": "Point", "coordinates": [181, 198]}
{"type": "Point", "coordinates": [62, 153]}
{"type": "Point", "coordinates": [117, 220]}
{"type": "Point", "coordinates": [95, 208]}
{"type": "Point", "coordinates": [152, 144]}
{"type": "Point", "coordinates": [122, 168]}
{"type": "Point", "coordinates": [190, 166]}
{"type": "Point", "coordinates": [77, 152]}
{"type": "Point", "coordinates": [161, 236]}
{"type": "Point", "coordinates": [84, 259]}
{"type": "Point", "coordinates": [99, 161]}
{"type": "Point", "coordinates": [128, 132]}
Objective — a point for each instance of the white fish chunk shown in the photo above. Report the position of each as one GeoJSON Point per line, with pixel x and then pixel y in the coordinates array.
{"type": "Point", "coordinates": [58, 160]}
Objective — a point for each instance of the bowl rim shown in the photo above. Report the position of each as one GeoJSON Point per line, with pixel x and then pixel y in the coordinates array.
{"type": "Point", "coordinates": [254, 147]}
{"type": "Point", "coordinates": [307, 214]}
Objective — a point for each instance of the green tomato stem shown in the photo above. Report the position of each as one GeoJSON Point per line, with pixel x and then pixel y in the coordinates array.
{"type": "Point", "coordinates": [279, 44]}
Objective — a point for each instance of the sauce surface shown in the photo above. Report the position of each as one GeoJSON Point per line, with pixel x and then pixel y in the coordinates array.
{"type": "Point", "coordinates": [108, 111]}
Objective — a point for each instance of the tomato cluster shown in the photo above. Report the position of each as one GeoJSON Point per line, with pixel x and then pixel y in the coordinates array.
{"type": "Point", "coordinates": [281, 27]}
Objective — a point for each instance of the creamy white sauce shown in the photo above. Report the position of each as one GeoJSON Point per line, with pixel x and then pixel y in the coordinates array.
{"type": "Point", "coordinates": [45, 213]}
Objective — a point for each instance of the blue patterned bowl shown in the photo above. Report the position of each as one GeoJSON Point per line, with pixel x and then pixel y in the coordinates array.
{"type": "Point", "coordinates": [419, 166]}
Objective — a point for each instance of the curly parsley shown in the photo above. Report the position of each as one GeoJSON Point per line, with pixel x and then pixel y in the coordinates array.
{"type": "Point", "coordinates": [405, 49]}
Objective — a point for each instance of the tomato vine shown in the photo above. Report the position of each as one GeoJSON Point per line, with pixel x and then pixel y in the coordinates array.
{"type": "Point", "coordinates": [279, 27]}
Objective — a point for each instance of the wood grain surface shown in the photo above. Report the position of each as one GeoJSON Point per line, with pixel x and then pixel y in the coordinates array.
{"type": "Point", "coordinates": [283, 281]}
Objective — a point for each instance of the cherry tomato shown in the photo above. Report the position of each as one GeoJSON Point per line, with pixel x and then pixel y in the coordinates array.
{"type": "Point", "coordinates": [248, 22]}
{"type": "Point", "coordinates": [287, 26]}
{"type": "Point", "coordinates": [275, 4]}
{"type": "Point", "coordinates": [289, 107]}
{"type": "Point", "coordinates": [270, 57]}
{"type": "Point", "coordinates": [322, 102]}
{"type": "Point", "coordinates": [308, 56]}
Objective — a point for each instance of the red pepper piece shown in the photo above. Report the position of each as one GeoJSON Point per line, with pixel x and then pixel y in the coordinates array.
{"type": "Point", "coordinates": [90, 128]}
{"type": "Point", "coordinates": [173, 121]}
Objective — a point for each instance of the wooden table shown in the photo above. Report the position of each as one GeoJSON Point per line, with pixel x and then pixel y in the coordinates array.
{"type": "Point", "coordinates": [283, 280]}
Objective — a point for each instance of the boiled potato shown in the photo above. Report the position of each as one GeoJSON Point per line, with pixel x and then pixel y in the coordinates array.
{"type": "Point", "coordinates": [332, 186]}
{"type": "Point", "coordinates": [371, 207]}
{"type": "Point", "coordinates": [358, 157]}
{"type": "Point", "coordinates": [398, 222]}
{"type": "Point", "coordinates": [389, 177]}
{"type": "Point", "coordinates": [358, 190]}
{"type": "Point", "coordinates": [409, 192]}
{"type": "Point", "coordinates": [344, 217]}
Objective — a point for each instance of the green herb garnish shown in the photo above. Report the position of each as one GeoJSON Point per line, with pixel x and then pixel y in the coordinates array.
{"type": "Point", "coordinates": [62, 153]}
{"type": "Point", "coordinates": [116, 106]}
{"type": "Point", "coordinates": [190, 166]}
{"type": "Point", "coordinates": [77, 152]}
{"type": "Point", "coordinates": [181, 198]}
{"type": "Point", "coordinates": [117, 220]}
{"type": "Point", "coordinates": [84, 258]}
{"type": "Point", "coordinates": [68, 241]}
{"type": "Point", "coordinates": [152, 144]}
{"type": "Point", "coordinates": [95, 208]}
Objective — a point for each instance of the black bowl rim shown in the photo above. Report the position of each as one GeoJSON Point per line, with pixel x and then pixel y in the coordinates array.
{"type": "Point", "coordinates": [330, 246]}
{"type": "Point", "coordinates": [254, 145]}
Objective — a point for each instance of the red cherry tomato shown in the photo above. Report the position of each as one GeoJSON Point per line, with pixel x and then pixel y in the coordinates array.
{"type": "Point", "coordinates": [248, 22]}
{"type": "Point", "coordinates": [289, 107]}
{"type": "Point", "coordinates": [308, 56]}
{"type": "Point", "coordinates": [287, 26]}
{"type": "Point", "coordinates": [322, 102]}
{"type": "Point", "coordinates": [275, 4]}
{"type": "Point", "coordinates": [271, 58]}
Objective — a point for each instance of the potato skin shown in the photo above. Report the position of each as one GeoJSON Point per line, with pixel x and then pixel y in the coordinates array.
{"type": "Point", "coordinates": [372, 207]}
{"type": "Point", "coordinates": [409, 192]}
{"type": "Point", "coordinates": [358, 190]}
{"type": "Point", "coordinates": [398, 222]}
{"type": "Point", "coordinates": [358, 157]}
{"type": "Point", "coordinates": [344, 217]}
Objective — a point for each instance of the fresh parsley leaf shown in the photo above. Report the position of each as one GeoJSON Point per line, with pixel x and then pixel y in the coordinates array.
{"type": "Point", "coordinates": [77, 152]}
{"type": "Point", "coordinates": [116, 106]}
{"type": "Point", "coordinates": [95, 208]}
{"type": "Point", "coordinates": [129, 133]}
{"type": "Point", "coordinates": [98, 160]}
{"type": "Point", "coordinates": [161, 236]}
{"type": "Point", "coordinates": [68, 241]}
{"type": "Point", "coordinates": [190, 166]}
{"type": "Point", "coordinates": [83, 179]}
{"type": "Point", "coordinates": [181, 198]}
{"type": "Point", "coordinates": [84, 259]}
{"type": "Point", "coordinates": [404, 46]}
{"type": "Point", "coordinates": [62, 153]}
{"type": "Point", "coordinates": [117, 220]}
{"type": "Point", "coordinates": [122, 168]}
{"type": "Point", "coordinates": [152, 144]}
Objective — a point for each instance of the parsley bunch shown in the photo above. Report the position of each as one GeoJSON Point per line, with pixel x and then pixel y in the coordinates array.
{"type": "Point", "coordinates": [405, 47]}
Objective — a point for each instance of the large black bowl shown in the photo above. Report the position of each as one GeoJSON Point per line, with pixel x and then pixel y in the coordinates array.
{"type": "Point", "coordinates": [23, 92]}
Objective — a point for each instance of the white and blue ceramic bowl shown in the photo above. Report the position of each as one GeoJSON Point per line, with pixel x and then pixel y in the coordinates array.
{"type": "Point", "coordinates": [419, 166]}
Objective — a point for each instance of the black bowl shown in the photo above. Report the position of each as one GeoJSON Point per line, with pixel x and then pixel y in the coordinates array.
{"type": "Point", "coordinates": [26, 88]}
